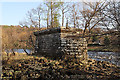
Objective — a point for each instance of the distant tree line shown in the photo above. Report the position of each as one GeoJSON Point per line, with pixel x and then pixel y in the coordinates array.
{"type": "Point", "coordinates": [17, 37]}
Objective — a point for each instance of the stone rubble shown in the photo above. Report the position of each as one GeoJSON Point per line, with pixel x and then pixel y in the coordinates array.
{"type": "Point", "coordinates": [69, 68]}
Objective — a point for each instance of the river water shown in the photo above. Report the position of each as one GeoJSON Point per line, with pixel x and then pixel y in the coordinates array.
{"type": "Point", "coordinates": [112, 57]}
{"type": "Point", "coordinates": [19, 51]}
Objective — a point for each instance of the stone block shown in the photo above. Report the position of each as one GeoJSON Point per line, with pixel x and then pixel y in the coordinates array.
{"type": "Point", "coordinates": [60, 41]}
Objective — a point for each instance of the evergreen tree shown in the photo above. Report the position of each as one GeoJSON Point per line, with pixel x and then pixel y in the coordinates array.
{"type": "Point", "coordinates": [56, 21]}
{"type": "Point", "coordinates": [53, 8]}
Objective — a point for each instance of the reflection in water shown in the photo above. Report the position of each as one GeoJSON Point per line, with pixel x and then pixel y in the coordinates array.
{"type": "Point", "coordinates": [113, 57]}
{"type": "Point", "coordinates": [19, 51]}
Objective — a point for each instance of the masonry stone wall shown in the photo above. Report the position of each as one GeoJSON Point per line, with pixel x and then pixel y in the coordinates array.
{"type": "Point", "coordinates": [57, 42]}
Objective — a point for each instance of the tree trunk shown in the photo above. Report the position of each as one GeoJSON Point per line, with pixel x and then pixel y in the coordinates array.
{"type": "Point", "coordinates": [51, 15]}
{"type": "Point", "coordinates": [62, 18]}
{"type": "Point", "coordinates": [39, 22]}
{"type": "Point", "coordinates": [67, 24]}
{"type": "Point", "coordinates": [74, 20]}
{"type": "Point", "coordinates": [84, 32]}
{"type": "Point", "coordinates": [48, 18]}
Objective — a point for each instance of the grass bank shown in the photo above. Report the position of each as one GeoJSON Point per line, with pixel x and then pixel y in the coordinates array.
{"type": "Point", "coordinates": [104, 48]}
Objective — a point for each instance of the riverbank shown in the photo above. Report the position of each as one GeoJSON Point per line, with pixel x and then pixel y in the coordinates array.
{"type": "Point", "coordinates": [70, 68]}
{"type": "Point", "coordinates": [103, 49]}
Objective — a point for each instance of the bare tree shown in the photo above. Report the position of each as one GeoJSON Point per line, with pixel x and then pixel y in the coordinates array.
{"type": "Point", "coordinates": [74, 13]}
{"type": "Point", "coordinates": [112, 15]}
{"type": "Point", "coordinates": [17, 38]}
{"type": "Point", "coordinates": [91, 15]}
{"type": "Point", "coordinates": [64, 9]}
{"type": "Point", "coordinates": [48, 17]}
{"type": "Point", "coordinates": [34, 17]}
{"type": "Point", "coordinates": [10, 40]}
{"type": "Point", "coordinates": [112, 20]}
